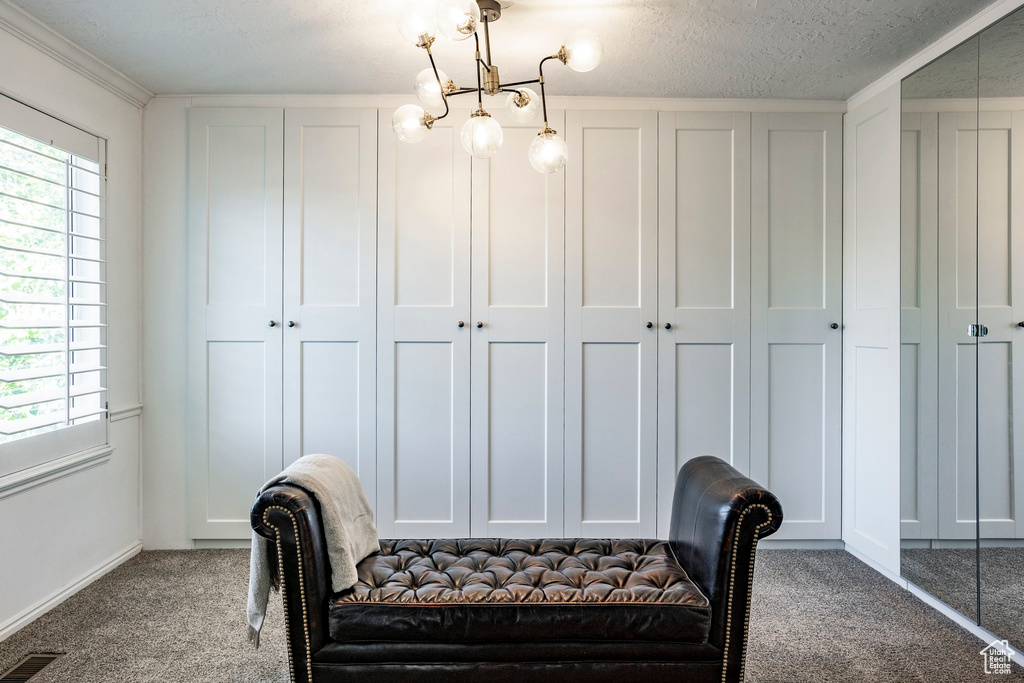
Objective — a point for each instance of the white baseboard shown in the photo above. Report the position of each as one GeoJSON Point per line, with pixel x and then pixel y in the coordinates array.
{"type": "Point", "coordinates": [800, 544]}
{"type": "Point", "coordinates": [895, 578]}
{"type": "Point", "coordinates": [27, 616]}
{"type": "Point", "coordinates": [221, 544]}
{"type": "Point", "coordinates": [986, 636]}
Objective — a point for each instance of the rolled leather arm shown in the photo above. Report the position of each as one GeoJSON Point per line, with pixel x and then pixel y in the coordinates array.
{"type": "Point", "coordinates": [290, 517]}
{"type": "Point", "coordinates": [718, 516]}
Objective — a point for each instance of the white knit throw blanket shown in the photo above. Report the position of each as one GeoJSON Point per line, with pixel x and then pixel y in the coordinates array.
{"type": "Point", "coordinates": [349, 531]}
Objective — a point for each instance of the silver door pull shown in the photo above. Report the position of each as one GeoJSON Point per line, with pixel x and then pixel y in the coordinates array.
{"type": "Point", "coordinates": [668, 326]}
{"type": "Point", "coordinates": [291, 323]}
{"type": "Point", "coordinates": [462, 324]}
{"type": "Point", "coordinates": [479, 325]}
{"type": "Point", "coordinates": [834, 326]}
{"type": "Point", "coordinates": [977, 330]}
{"type": "Point", "coordinates": [650, 325]}
{"type": "Point", "coordinates": [272, 323]}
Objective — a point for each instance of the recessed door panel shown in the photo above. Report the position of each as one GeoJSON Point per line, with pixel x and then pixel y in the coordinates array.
{"type": "Point", "coordinates": [425, 439]}
{"type": "Point", "coordinates": [518, 454]}
{"type": "Point", "coordinates": [611, 435]}
{"type": "Point", "coordinates": [237, 253]}
{"type": "Point", "coordinates": [425, 234]}
{"type": "Point", "coordinates": [330, 408]}
{"type": "Point", "coordinates": [237, 426]}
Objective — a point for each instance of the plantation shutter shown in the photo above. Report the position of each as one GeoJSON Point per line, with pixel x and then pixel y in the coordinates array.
{"type": "Point", "coordinates": [52, 288]}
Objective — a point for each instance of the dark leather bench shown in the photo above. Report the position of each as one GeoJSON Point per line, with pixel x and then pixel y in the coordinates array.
{"type": "Point", "coordinates": [530, 610]}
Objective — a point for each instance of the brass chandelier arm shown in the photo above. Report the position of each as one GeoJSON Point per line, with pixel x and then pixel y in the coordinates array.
{"type": "Point", "coordinates": [440, 85]}
{"type": "Point", "coordinates": [543, 97]}
{"type": "Point", "coordinates": [518, 83]}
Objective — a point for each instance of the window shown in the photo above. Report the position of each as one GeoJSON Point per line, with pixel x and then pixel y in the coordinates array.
{"type": "Point", "coordinates": [52, 291]}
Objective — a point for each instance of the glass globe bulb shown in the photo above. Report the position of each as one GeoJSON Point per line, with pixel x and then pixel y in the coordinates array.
{"type": "Point", "coordinates": [458, 19]}
{"type": "Point", "coordinates": [416, 20]}
{"type": "Point", "coordinates": [583, 50]}
{"type": "Point", "coordinates": [427, 89]}
{"type": "Point", "coordinates": [548, 152]}
{"type": "Point", "coordinates": [521, 111]}
{"type": "Point", "coordinates": [409, 123]}
{"type": "Point", "coordinates": [482, 136]}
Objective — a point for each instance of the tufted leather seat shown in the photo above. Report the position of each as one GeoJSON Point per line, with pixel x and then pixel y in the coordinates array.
{"type": "Point", "coordinates": [505, 590]}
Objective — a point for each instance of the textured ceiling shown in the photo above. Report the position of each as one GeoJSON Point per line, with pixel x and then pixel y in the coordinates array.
{"type": "Point", "coordinates": [809, 49]}
{"type": "Point", "coordinates": [996, 57]}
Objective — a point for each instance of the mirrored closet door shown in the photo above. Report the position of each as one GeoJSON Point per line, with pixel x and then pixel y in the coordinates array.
{"type": "Point", "coordinates": [962, 330]}
{"type": "Point", "coordinates": [1001, 310]}
{"type": "Point", "coordinates": [939, 304]}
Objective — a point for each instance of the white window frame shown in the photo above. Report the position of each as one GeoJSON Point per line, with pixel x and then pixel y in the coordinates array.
{"type": "Point", "coordinates": [39, 449]}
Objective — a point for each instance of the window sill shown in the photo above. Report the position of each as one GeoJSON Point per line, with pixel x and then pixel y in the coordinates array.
{"type": "Point", "coordinates": [17, 482]}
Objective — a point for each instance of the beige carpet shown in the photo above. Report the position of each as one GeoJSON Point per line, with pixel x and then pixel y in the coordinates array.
{"type": "Point", "coordinates": [180, 616]}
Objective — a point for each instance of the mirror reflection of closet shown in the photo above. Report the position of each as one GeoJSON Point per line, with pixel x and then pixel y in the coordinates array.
{"type": "Point", "coordinates": [1001, 310]}
{"type": "Point", "coordinates": [939, 293]}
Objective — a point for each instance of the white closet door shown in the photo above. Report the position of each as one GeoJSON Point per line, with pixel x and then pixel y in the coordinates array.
{"type": "Point", "coordinates": [423, 360]}
{"type": "Point", "coordinates": [235, 445]}
{"type": "Point", "coordinates": [704, 293]}
{"type": "Point", "coordinates": [796, 295]}
{"type": "Point", "coordinates": [958, 204]}
{"type": "Point", "coordinates": [611, 294]}
{"type": "Point", "coordinates": [518, 239]}
{"type": "Point", "coordinates": [330, 249]}
{"type": "Point", "coordinates": [1001, 308]}
{"type": "Point", "coordinates": [919, 343]}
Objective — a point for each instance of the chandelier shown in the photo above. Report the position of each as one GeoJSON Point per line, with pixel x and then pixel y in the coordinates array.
{"type": "Point", "coordinates": [481, 134]}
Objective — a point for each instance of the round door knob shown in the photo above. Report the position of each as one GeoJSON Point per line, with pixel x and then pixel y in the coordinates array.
{"type": "Point", "coordinates": [479, 325]}
{"type": "Point", "coordinates": [1020, 324]}
{"type": "Point", "coordinates": [650, 325]}
{"type": "Point", "coordinates": [291, 323]}
{"type": "Point", "coordinates": [272, 323]}
{"type": "Point", "coordinates": [462, 324]}
{"type": "Point", "coordinates": [668, 326]}
{"type": "Point", "coordinates": [834, 326]}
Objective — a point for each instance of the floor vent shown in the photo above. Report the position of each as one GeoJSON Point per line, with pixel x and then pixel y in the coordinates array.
{"type": "Point", "coordinates": [26, 669]}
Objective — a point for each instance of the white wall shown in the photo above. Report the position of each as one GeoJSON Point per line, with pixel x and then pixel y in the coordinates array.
{"type": "Point", "coordinates": [63, 531]}
{"type": "Point", "coordinates": [164, 322]}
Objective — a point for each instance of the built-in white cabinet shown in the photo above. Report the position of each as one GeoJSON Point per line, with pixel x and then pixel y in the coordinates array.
{"type": "Point", "coordinates": [796, 317]}
{"type": "Point", "coordinates": [470, 338]}
{"type": "Point", "coordinates": [499, 352]}
{"type": "Point", "coordinates": [423, 356]}
{"type": "Point", "coordinates": [517, 379]}
{"type": "Point", "coordinates": [282, 250]}
{"type": "Point", "coordinates": [611, 370]}
{"type": "Point", "coordinates": [703, 293]}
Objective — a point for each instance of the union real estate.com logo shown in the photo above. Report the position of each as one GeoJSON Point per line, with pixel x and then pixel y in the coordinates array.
{"type": "Point", "coordinates": [997, 657]}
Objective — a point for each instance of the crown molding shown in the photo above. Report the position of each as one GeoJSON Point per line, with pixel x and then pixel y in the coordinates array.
{"type": "Point", "coordinates": [27, 28]}
{"type": "Point", "coordinates": [578, 102]}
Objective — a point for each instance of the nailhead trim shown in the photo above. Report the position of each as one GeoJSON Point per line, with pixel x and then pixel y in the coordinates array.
{"type": "Point", "coordinates": [750, 588]}
{"type": "Point", "coordinates": [284, 595]}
